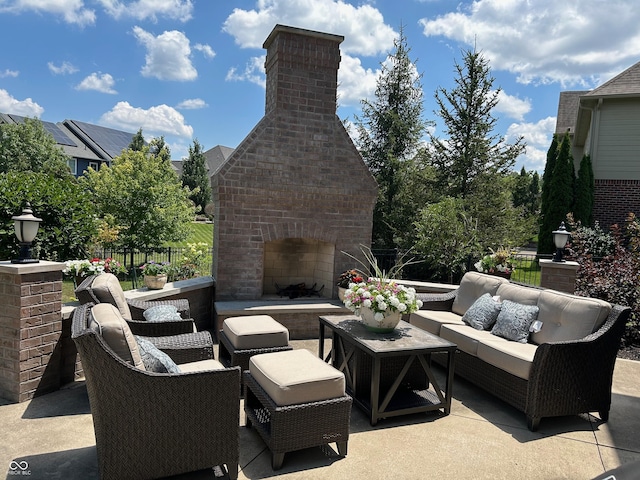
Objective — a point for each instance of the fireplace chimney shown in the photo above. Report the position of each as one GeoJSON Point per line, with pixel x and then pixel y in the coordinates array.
{"type": "Point", "coordinates": [296, 192]}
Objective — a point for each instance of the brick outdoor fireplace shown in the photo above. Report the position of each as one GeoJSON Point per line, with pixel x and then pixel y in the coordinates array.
{"type": "Point", "coordinates": [296, 192]}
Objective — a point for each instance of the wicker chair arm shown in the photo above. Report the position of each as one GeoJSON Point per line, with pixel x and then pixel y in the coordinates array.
{"type": "Point", "coordinates": [437, 301]}
{"type": "Point", "coordinates": [138, 307]}
{"type": "Point", "coordinates": [161, 329]}
{"type": "Point", "coordinates": [574, 369]}
{"type": "Point", "coordinates": [185, 348]}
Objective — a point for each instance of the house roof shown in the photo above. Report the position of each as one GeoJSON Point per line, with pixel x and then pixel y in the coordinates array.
{"type": "Point", "coordinates": [625, 83]}
{"type": "Point", "coordinates": [568, 110]}
{"type": "Point", "coordinates": [216, 157]}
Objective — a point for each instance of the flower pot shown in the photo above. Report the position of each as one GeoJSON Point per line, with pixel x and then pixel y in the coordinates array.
{"type": "Point", "coordinates": [386, 325]}
{"type": "Point", "coordinates": [506, 275]}
{"type": "Point", "coordinates": [155, 282]}
{"type": "Point", "coordinates": [341, 291]}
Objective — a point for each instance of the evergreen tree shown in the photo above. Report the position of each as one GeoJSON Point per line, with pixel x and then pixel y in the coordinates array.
{"type": "Point", "coordinates": [533, 205]}
{"type": "Point", "coordinates": [545, 241]}
{"type": "Point", "coordinates": [389, 133]}
{"type": "Point", "coordinates": [196, 177]}
{"type": "Point", "coordinates": [471, 150]}
{"type": "Point", "coordinates": [137, 142]}
{"type": "Point", "coordinates": [585, 186]}
{"type": "Point", "coordinates": [520, 193]}
{"type": "Point", "coordinates": [159, 148]}
{"type": "Point", "coordinates": [560, 196]}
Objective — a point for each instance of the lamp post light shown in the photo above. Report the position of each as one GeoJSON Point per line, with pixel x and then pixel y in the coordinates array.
{"type": "Point", "coordinates": [26, 226]}
{"type": "Point", "coordinates": [560, 238]}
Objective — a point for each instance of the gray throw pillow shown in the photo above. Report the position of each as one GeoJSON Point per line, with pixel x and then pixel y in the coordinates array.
{"type": "Point", "coordinates": [161, 313]}
{"type": "Point", "coordinates": [514, 320]}
{"type": "Point", "coordinates": [482, 314]}
{"type": "Point", "coordinates": [155, 360]}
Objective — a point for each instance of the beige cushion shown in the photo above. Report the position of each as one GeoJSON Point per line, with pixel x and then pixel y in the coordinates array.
{"type": "Point", "coordinates": [201, 366]}
{"type": "Point", "coordinates": [432, 320]}
{"type": "Point", "coordinates": [518, 293]}
{"type": "Point", "coordinates": [472, 286]}
{"type": "Point", "coordinates": [465, 337]}
{"type": "Point", "coordinates": [105, 319]}
{"type": "Point", "coordinates": [513, 357]}
{"type": "Point", "coordinates": [107, 289]}
{"type": "Point", "coordinates": [296, 376]}
{"type": "Point", "coordinates": [568, 317]}
{"type": "Point", "coordinates": [255, 331]}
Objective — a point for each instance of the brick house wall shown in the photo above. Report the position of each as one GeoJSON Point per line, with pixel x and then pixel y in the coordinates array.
{"type": "Point", "coordinates": [614, 199]}
{"type": "Point", "coordinates": [296, 175]}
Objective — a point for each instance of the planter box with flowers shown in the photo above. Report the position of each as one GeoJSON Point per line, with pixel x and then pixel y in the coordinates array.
{"type": "Point", "coordinates": [499, 263]}
{"type": "Point", "coordinates": [79, 269]}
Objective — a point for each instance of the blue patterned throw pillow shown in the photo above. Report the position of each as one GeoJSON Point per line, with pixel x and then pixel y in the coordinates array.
{"type": "Point", "coordinates": [514, 320]}
{"type": "Point", "coordinates": [483, 313]}
{"type": "Point", "coordinates": [161, 313]}
{"type": "Point", "coordinates": [154, 359]}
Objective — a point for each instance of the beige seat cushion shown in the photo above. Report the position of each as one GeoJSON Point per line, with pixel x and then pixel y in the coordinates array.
{"type": "Point", "coordinates": [296, 376]}
{"type": "Point", "coordinates": [201, 366]}
{"type": "Point", "coordinates": [106, 320]}
{"type": "Point", "coordinates": [432, 320]}
{"type": "Point", "coordinates": [568, 317]}
{"type": "Point", "coordinates": [255, 331]}
{"type": "Point", "coordinates": [472, 286]}
{"type": "Point", "coordinates": [518, 293]}
{"type": "Point", "coordinates": [107, 289]}
{"type": "Point", "coordinates": [513, 357]}
{"type": "Point", "coordinates": [465, 337]}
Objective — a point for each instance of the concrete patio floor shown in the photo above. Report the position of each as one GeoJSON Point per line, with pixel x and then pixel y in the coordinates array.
{"type": "Point", "coordinates": [482, 438]}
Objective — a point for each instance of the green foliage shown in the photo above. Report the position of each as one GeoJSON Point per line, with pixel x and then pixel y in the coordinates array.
{"type": "Point", "coordinates": [144, 196]}
{"type": "Point", "coordinates": [389, 133]}
{"type": "Point", "coordinates": [195, 176]}
{"type": "Point", "coordinates": [68, 215]}
{"type": "Point", "coordinates": [585, 187]}
{"type": "Point", "coordinates": [558, 196]}
{"type": "Point", "coordinates": [137, 142]}
{"type": "Point", "coordinates": [526, 191]}
{"type": "Point", "coordinates": [592, 241]}
{"type": "Point", "coordinates": [470, 151]}
{"type": "Point", "coordinates": [447, 237]}
{"type": "Point", "coordinates": [28, 147]}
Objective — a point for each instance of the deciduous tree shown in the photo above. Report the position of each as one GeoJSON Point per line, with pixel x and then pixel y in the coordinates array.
{"type": "Point", "coordinates": [195, 176]}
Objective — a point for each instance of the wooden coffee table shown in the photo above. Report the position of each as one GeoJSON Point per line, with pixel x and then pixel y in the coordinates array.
{"type": "Point", "coordinates": [388, 374]}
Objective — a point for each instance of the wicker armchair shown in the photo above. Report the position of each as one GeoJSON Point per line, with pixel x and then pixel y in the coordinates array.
{"type": "Point", "coordinates": [150, 425]}
{"type": "Point", "coordinates": [105, 288]}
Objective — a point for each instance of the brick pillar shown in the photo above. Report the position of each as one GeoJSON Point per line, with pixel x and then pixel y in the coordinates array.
{"type": "Point", "coordinates": [30, 329]}
{"type": "Point", "coordinates": [559, 276]}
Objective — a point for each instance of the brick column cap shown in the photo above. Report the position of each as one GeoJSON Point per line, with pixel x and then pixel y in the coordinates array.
{"type": "Point", "coordinates": [568, 265]}
{"type": "Point", "coordinates": [24, 268]}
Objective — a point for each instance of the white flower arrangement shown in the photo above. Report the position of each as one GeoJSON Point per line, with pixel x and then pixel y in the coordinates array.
{"type": "Point", "coordinates": [380, 292]}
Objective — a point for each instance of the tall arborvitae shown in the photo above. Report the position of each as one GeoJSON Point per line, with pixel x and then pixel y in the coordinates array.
{"type": "Point", "coordinates": [560, 199]}
{"type": "Point", "coordinates": [545, 241]}
{"type": "Point", "coordinates": [533, 207]}
{"type": "Point", "coordinates": [583, 208]}
{"type": "Point", "coordinates": [195, 176]}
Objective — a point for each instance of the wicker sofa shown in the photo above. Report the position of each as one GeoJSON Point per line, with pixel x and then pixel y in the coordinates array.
{"type": "Point", "coordinates": [565, 368]}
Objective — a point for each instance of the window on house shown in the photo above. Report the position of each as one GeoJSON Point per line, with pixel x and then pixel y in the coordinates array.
{"type": "Point", "coordinates": [73, 165]}
{"type": "Point", "coordinates": [94, 165]}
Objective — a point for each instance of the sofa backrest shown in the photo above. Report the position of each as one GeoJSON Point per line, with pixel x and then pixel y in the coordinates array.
{"type": "Point", "coordinates": [106, 288]}
{"type": "Point", "coordinates": [518, 293]}
{"type": "Point", "coordinates": [568, 317]}
{"type": "Point", "coordinates": [472, 286]}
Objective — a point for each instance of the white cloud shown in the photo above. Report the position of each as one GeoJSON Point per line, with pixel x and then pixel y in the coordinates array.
{"type": "Point", "coordinates": [168, 55]}
{"type": "Point", "coordinates": [192, 104]}
{"type": "Point", "coordinates": [26, 107]}
{"type": "Point", "coordinates": [547, 41]}
{"type": "Point", "coordinates": [71, 11]}
{"type": "Point", "coordinates": [206, 50]}
{"type": "Point", "coordinates": [155, 121]}
{"type": "Point", "coordinates": [9, 73]}
{"type": "Point", "coordinates": [538, 137]}
{"type": "Point", "coordinates": [355, 82]}
{"type": "Point", "coordinates": [511, 106]}
{"type": "Point", "coordinates": [253, 72]}
{"type": "Point", "coordinates": [363, 26]}
{"type": "Point", "coordinates": [102, 83]}
{"type": "Point", "coordinates": [65, 68]}
{"type": "Point", "coordinates": [150, 9]}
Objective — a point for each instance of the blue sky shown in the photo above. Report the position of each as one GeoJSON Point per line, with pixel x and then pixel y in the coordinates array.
{"type": "Point", "coordinates": [190, 69]}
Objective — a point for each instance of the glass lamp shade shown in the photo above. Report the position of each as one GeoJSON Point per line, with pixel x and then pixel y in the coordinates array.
{"type": "Point", "coordinates": [560, 236]}
{"type": "Point", "coordinates": [26, 225]}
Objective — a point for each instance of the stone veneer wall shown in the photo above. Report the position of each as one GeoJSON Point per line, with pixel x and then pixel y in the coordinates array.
{"type": "Point", "coordinates": [296, 175]}
{"type": "Point", "coordinates": [32, 361]}
{"type": "Point", "coordinates": [614, 199]}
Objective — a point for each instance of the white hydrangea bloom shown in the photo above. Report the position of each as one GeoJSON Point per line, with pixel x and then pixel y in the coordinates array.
{"type": "Point", "coordinates": [367, 303]}
{"type": "Point", "coordinates": [401, 307]}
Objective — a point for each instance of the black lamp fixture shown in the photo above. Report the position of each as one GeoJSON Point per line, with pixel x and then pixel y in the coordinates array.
{"type": "Point", "coordinates": [560, 238]}
{"type": "Point", "coordinates": [26, 226]}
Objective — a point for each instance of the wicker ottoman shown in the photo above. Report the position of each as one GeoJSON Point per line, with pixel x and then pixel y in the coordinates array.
{"type": "Point", "coordinates": [295, 400]}
{"type": "Point", "coordinates": [243, 337]}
